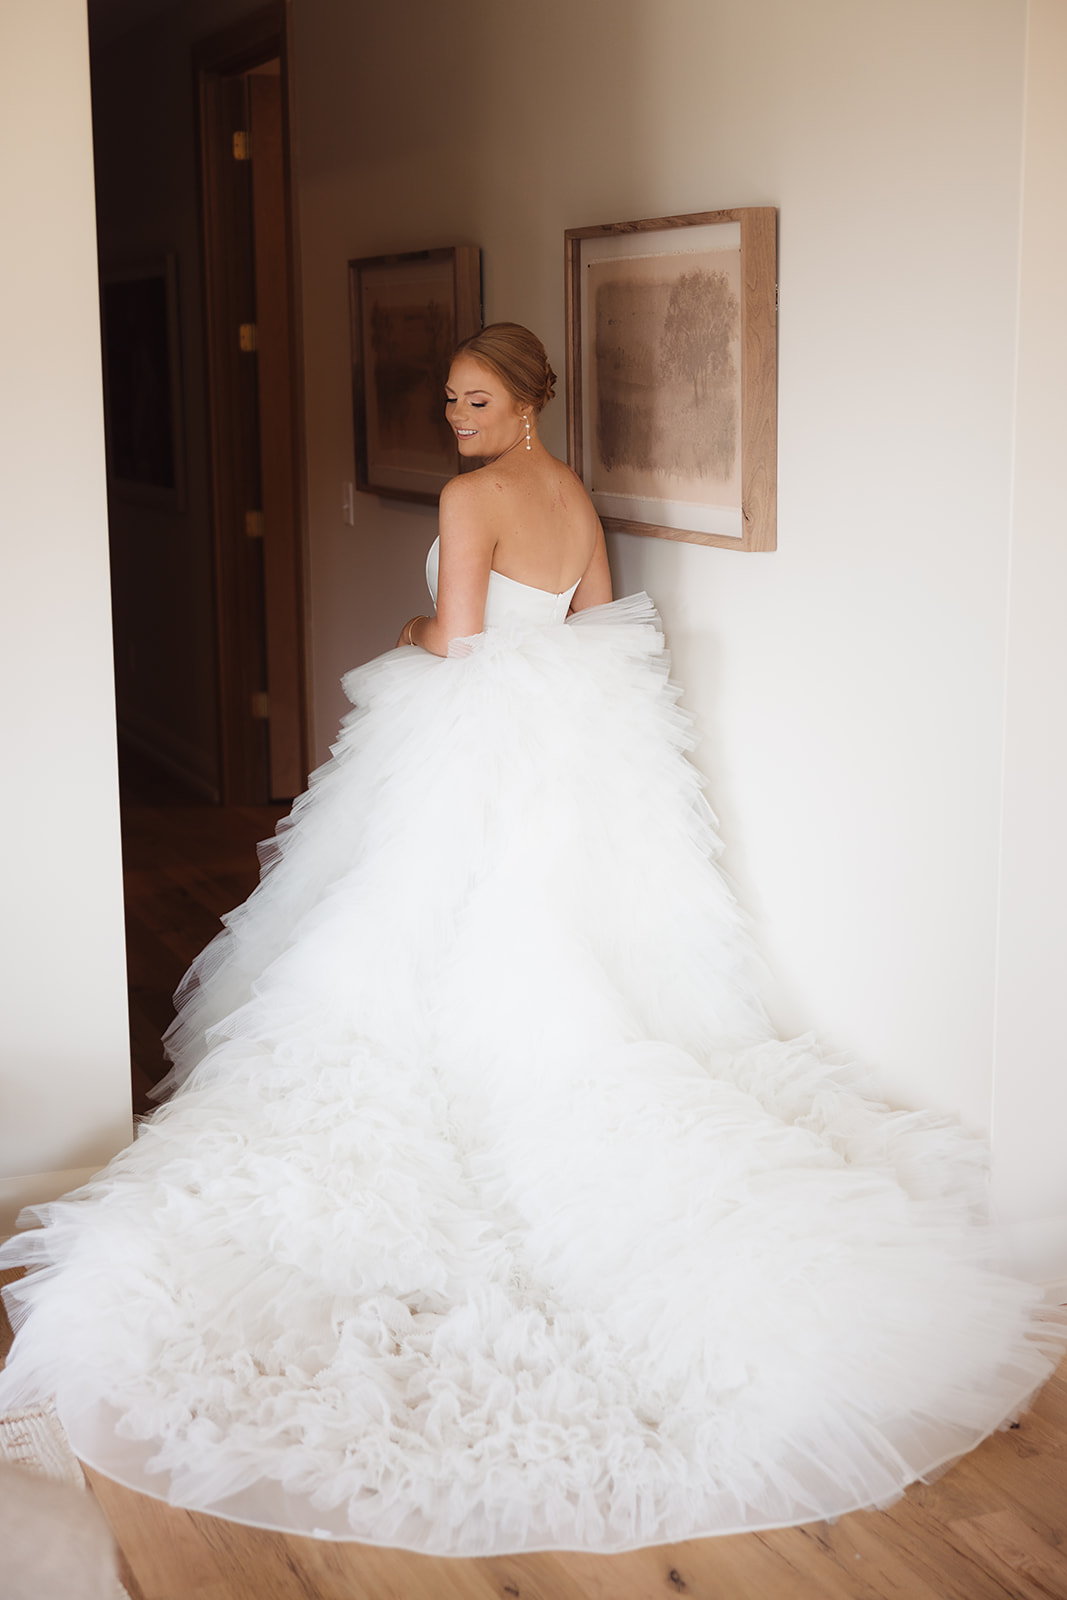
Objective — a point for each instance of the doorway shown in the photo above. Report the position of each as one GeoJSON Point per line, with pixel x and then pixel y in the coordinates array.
{"type": "Point", "coordinates": [187, 858]}
{"type": "Point", "coordinates": [254, 418]}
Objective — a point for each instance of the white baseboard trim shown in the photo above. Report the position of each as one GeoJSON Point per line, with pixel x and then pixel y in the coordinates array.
{"type": "Point", "coordinates": [160, 747]}
{"type": "Point", "coordinates": [36, 1189]}
{"type": "Point", "coordinates": [1037, 1250]}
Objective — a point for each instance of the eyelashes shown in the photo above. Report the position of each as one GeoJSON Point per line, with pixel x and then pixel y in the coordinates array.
{"type": "Point", "coordinates": [477, 405]}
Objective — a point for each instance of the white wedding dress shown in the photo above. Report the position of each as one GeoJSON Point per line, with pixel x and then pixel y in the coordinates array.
{"type": "Point", "coordinates": [491, 1216]}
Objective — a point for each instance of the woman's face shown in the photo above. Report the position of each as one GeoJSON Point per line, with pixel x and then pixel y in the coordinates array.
{"type": "Point", "coordinates": [484, 415]}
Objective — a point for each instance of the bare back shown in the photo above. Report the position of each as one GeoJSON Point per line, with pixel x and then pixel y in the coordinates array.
{"type": "Point", "coordinates": [545, 526]}
{"type": "Point", "coordinates": [526, 516]}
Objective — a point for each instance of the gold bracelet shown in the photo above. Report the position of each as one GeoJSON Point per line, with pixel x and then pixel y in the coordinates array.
{"type": "Point", "coordinates": [411, 630]}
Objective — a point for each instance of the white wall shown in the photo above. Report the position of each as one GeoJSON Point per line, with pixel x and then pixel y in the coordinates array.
{"type": "Point", "coordinates": [851, 686]}
{"type": "Point", "coordinates": [1030, 1104]}
{"type": "Point", "coordinates": [64, 1058]}
{"type": "Point", "coordinates": [851, 683]}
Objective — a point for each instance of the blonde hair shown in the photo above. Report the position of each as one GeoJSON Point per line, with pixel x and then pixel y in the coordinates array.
{"type": "Point", "coordinates": [517, 357]}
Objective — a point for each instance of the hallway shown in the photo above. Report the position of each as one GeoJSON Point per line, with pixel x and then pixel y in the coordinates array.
{"type": "Point", "coordinates": [883, 696]}
{"type": "Point", "coordinates": [184, 864]}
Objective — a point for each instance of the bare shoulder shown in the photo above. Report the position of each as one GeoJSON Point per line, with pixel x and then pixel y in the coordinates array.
{"type": "Point", "coordinates": [465, 511]}
{"type": "Point", "coordinates": [568, 477]}
{"type": "Point", "coordinates": [464, 497]}
{"type": "Point", "coordinates": [461, 490]}
{"type": "Point", "coordinates": [575, 490]}
{"type": "Point", "coordinates": [472, 491]}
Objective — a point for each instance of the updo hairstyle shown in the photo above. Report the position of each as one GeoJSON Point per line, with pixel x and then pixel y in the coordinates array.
{"type": "Point", "coordinates": [517, 357]}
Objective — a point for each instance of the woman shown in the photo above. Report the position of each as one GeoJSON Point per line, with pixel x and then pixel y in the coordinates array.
{"type": "Point", "coordinates": [524, 515]}
{"type": "Point", "coordinates": [491, 1216]}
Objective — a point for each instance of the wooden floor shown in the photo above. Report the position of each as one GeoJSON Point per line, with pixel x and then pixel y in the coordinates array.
{"type": "Point", "coordinates": [992, 1528]}
{"type": "Point", "coordinates": [184, 864]}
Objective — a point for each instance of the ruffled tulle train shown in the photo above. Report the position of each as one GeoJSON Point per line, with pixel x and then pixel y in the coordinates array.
{"type": "Point", "coordinates": [490, 1215]}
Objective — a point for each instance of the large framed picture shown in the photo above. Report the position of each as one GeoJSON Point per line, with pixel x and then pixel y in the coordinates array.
{"type": "Point", "coordinates": [142, 382]}
{"type": "Point", "coordinates": [672, 374]}
{"type": "Point", "coordinates": [408, 313]}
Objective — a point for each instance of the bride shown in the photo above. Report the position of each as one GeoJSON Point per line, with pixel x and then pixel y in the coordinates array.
{"type": "Point", "coordinates": [489, 1213]}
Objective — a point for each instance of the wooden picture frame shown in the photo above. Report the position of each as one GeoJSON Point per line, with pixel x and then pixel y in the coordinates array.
{"type": "Point", "coordinates": [408, 312]}
{"type": "Point", "coordinates": [141, 351]}
{"type": "Point", "coordinates": [672, 374]}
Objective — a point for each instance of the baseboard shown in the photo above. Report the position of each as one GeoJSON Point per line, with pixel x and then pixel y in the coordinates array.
{"type": "Point", "coordinates": [36, 1189]}
{"type": "Point", "coordinates": [163, 750]}
{"type": "Point", "coordinates": [1037, 1250]}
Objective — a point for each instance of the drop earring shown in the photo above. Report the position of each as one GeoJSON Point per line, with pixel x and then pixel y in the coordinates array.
{"type": "Point", "coordinates": [529, 446]}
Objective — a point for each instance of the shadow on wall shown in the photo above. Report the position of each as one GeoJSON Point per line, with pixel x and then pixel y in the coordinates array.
{"type": "Point", "coordinates": [422, 127]}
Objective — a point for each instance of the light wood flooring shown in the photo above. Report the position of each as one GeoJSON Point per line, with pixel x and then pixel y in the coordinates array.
{"type": "Point", "coordinates": [991, 1529]}
{"type": "Point", "coordinates": [994, 1528]}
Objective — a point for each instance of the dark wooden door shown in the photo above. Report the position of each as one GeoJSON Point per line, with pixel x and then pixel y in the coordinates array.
{"type": "Point", "coordinates": [255, 433]}
{"type": "Point", "coordinates": [281, 544]}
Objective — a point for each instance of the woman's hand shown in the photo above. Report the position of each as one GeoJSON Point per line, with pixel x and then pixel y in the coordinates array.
{"type": "Point", "coordinates": [406, 632]}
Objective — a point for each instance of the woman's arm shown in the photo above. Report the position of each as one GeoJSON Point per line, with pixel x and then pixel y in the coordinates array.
{"type": "Point", "coordinates": [595, 587]}
{"type": "Point", "coordinates": [466, 559]}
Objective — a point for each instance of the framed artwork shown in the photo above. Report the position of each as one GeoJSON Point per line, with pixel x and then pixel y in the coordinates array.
{"type": "Point", "coordinates": [408, 313]}
{"type": "Point", "coordinates": [672, 374]}
{"type": "Point", "coordinates": [142, 382]}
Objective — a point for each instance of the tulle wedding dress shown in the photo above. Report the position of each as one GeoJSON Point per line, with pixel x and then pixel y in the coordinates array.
{"type": "Point", "coordinates": [490, 1215]}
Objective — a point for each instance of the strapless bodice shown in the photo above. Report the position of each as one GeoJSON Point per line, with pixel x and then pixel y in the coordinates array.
{"type": "Point", "coordinates": [508, 600]}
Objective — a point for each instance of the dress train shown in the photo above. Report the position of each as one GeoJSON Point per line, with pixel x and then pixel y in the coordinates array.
{"type": "Point", "coordinates": [490, 1215]}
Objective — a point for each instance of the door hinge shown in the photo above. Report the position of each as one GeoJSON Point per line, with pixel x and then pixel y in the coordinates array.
{"type": "Point", "coordinates": [242, 147]}
{"type": "Point", "coordinates": [261, 706]}
{"type": "Point", "coordinates": [247, 336]}
{"type": "Point", "coordinates": [254, 524]}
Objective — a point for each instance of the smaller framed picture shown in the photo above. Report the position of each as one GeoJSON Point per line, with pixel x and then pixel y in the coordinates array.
{"type": "Point", "coordinates": [142, 382]}
{"type": "Point", "coordinates": [408, 313]}
{"type": "Point", "coordinates": [672, 375]}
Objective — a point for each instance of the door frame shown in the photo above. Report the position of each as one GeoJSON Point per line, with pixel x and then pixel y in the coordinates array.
{"type": "Point", "coordinates": [257, 38]}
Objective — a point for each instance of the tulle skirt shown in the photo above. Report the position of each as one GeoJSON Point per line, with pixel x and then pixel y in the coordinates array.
{"type": "Point", "coordinates": [489, 1214]}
